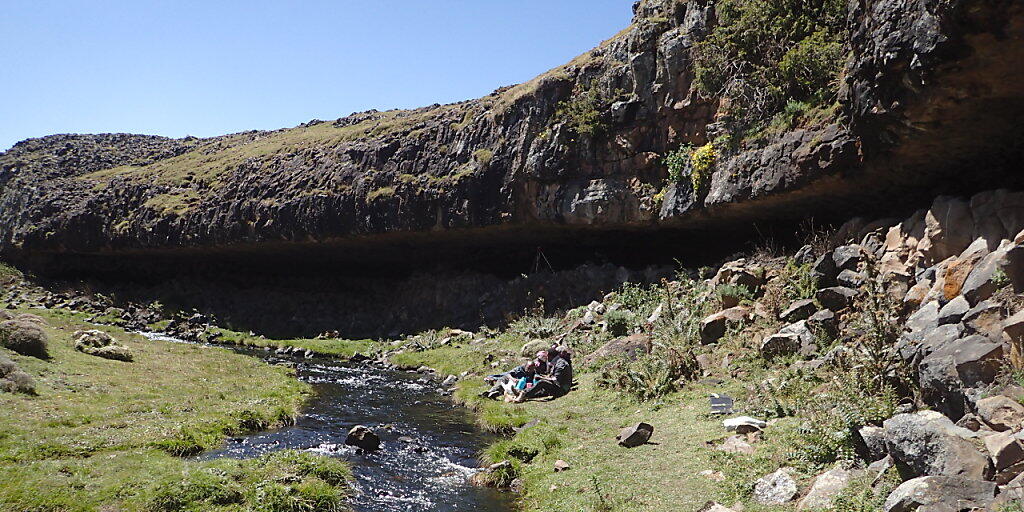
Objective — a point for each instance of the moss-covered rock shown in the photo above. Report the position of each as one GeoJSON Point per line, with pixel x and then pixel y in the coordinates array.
{"type": "Point", "coordinates": [101, 344]}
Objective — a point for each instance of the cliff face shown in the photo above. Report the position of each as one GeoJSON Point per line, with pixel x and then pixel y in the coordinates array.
{"type": "Point", "coordinates": [927, 103]}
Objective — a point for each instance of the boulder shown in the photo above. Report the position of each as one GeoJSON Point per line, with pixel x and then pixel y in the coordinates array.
{"type": "Point", "coordinates": [847, 257]}
{"type": "Point", "coordinates": [561, 465]}
{"type": "Point", "coordinates": [824, 270]}
{"type": "Point", "coordinates": [1013, 265]}
{"type": "Point", "coordinates": [736, 444]}
{"type": "Point", "coordinates": [940, 337]}
{"type": "Point", "coordinates": [823, 321]}
{"type": "Point", "coordinates": [775, 489]}
{"type": "Point", "coordinates": [826, 488]}
{"type": "Point", "coordinates": [916, 295]}
{"type": "Point", "coordinates": [739, 273]}
{"type": "Point", "coordinates": [1007, 454]}
{"type": "Point", "coordinates": [361, 436]}
{"type": "Point", "coordinates": [1013, 331]}
{"type": "Point", "coordinates": [957, 269]}
{"type": "Point", "coordinates": [929, 444]}
{"type": "Point", "coordinates": [531, 348]}
{"type": "Point", "coordinates": [925, 318]}
{"type": "Point", "coordinates": [1001, 413]}
{"type": "Point", "coordinates": [714, 326]}
{"type": "Point", "coordinates": [799, 310]}
{"type": "Point", "coordinates": [629, 347]}
{"type": "Point", "coordinates": [949, 228]}
{"type": "Point", "coordinates": [872, 440]}
{"type": "Point", "coordinates": [790, 340]}
{"type": "Point", "coordinates": [980, 283]}
{"type": "Point", "coordinates": [985, 318]}
{"type": "Point", "coordinates": [949, 371]}
{"type": "Point", "coordinates": [953, 312]}
{"type": "Point", "coordinates": [100, 344]}
{"type": "Point", "coordinates": [636, 435]}
{"type": "Point", "coordinates": [744, 425]}
{"type": "Point", "coordinates": [836, 298]}
{"type": "Point", "coordinates": [928, 491]}
{"type": "Point", "coordinates": [851, 279]}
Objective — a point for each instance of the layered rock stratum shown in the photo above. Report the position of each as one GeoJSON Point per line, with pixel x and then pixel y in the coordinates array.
{"type": "Point", "coordinates": [928, 102]}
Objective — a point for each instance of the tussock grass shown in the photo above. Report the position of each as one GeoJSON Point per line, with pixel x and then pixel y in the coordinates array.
{"type": "Point", "coordinates": [97, 426]}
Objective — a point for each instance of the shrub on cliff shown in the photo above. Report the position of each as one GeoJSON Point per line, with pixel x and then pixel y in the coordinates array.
{"type": "Point", "coordinates": [13, 380]}
{"type": "Point", "coordinates": [24, 336]}
{"type": "Point", "coordinates": [762, 53]}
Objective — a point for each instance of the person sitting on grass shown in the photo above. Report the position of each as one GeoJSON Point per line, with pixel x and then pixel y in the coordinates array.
{"type": "Point", "coordinates": [557, 383]}
{"type": "Point", "coordinates": [502, 383]}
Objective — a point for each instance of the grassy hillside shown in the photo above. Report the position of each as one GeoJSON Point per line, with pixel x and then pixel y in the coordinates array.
{"type": "Point", "coordinates": [109, 435]}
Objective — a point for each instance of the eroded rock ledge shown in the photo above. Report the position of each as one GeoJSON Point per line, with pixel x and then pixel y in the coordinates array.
{"type": "Point", "coordinates": [928, 104]}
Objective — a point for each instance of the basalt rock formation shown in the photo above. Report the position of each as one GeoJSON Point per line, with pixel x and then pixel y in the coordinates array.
{"type": "Point", "coordinates": [927, 104]}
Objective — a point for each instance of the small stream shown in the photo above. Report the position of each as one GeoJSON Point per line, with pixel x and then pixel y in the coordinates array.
{"type": "Point", "coordinates": [429, 447]}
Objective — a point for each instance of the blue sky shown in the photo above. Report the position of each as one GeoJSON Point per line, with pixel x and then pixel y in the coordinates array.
{"type": "Point", "coordinates": [205, 68]}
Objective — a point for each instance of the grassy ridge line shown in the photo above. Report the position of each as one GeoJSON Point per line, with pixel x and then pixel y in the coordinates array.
{"type": "Point", "coordinates": [104, 435]}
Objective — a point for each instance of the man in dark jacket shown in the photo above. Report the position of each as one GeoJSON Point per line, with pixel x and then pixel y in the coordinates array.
{"type": "Point", "coordinates": [557, 383]}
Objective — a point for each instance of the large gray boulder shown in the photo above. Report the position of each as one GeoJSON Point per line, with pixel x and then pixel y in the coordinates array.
{"type": "Point", "coordinates": [955, 492]}
{"type": "Point", "coordinates": [836, 298]}
{"type": "Point", "coordinates": [1001, 413]}
{"type": "Point", "coordinates": [947, 373]}
{"type": "Point", "coordinates": [790, 340]}
{"type": "Point", "coordinates": [954, 311]}
{"type": "Point", "coordinates": [775, 489]}
{"type": "Point", "coordinates": [1007, 453]}
{"type": "Point", "coordinates": [928, 444]}
{"type": "Point", "coordinates": [798, 310]}
{"type": "Point", "coordinates": [826, 488]}
{"type": "Point", "coordinates": [924, 319]}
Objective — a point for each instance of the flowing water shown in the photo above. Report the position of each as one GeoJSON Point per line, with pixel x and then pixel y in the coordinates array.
{"type": "Point", "coordinates": [428, 449]}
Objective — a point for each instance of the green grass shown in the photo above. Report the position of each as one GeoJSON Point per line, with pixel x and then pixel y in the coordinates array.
{"type": "Point", "coordinates": [580, 428]}
{"type": "Point", "coordinates": [341, 348]}
{"type": "Point", "coordinates": [211, 158]}
{"type": "Point", "coordinates": [103, 434]}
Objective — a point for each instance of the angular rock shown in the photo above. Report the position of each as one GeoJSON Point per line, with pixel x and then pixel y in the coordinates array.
{"type": "Point", "coordinates": [873, 440]}
{"type": "Point", "coordinates": [915, 296]}
{"type": "Point", "coordinates": [927, 491]}
{"type": "Point", "coordinates": [361, 436]}
{"type": "Point", "coordinates": [1006, 450]}
{"type": "Point", "coordinates": [847, 257]}
{"type": "Point", "coordinates": [714, 326]}
{"type": "Point", "coordinates": [826, 488]}
{"type": "Point", "coordinates": [836, 298]}
{"type": "Point", "coordinates": [823, 321]}
{"type": "Point", "coordinates": [928, 443]}
{"type": "Point", "coordinates": [824, 270]}
{"type": "Point", "coordinates": [949, 371]}
{"type": "Point", "coordinates": [925, 318]}
{"type": "Point", "coordinates": [629, 347]}
{"type": "Point", "coordinates": [980, 283]}
{"type": "Point", "coordinates": [985, 318]}
{"type": "Point", "coordinates": [712, 506]}
{"type": "Point", "coordinates": [775, 489]}
{"type": "Point", "coordinates": [1001, 413]}
{"type": "Point", "coordinates": [851, 279]}
{"type": "Point", "coordinates": [954, 311]}
{"type": "Point", "coordinates": [744, 425]}
{"type": "Point", "coordinates": [736, 444]}
{"type": "Point", "coordinates": [636, 435]}
{"type": "Point", "coordinates": [790, 340]}
{"type": "Point", "coordinates": [561, 465]}
{"type": "Point", "coordinates": [799, 310]}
